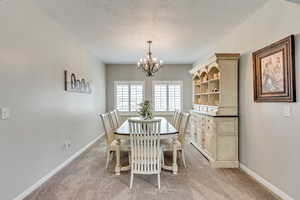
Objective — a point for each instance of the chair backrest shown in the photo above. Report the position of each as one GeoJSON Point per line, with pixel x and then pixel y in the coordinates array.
{"type": "Point", "coordinates": [145, 146]}
{"type": "Point", "coordinates": [107, 127]}
{"type": "Point", "coordinates": [177, 120]}
{"type": "Point", "coordinates": [119, 121]}
{"type": "Point", "coordinates": [174, 117]}
{"type": "Point", "coordinates": [113, 119]}
{"type": "Point", "coordinates": [184, 121]}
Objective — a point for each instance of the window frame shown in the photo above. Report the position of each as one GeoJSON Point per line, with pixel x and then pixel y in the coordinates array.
{"type": "Point", "coordinates": [129, 94]}
{"type": "Point", "coordinates": [178, 82]}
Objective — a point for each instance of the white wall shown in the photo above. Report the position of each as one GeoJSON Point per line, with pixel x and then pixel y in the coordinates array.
{"type": "Point", "coordinates": [129, 72]}
{"type": "Point", "coordinates": [269, 142]}
{"type": "Point", "coordinates": [34, 52]}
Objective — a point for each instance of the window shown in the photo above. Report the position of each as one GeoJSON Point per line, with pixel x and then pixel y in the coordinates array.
{"type": "Point", "coordinates": [128, 95]}
{"type": "Point", "coordinates": [167, 95]}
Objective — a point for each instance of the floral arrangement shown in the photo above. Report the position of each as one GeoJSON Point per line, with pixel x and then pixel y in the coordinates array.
{"type": "Point", "coordinates": [146, 110]}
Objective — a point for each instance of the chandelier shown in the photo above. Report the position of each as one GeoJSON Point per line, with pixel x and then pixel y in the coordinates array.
{"type": "Point", "coordinates": [148, 64]}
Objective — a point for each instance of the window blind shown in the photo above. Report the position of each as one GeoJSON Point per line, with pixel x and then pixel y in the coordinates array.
{"type": "Point", "coordinates": [160, 97]}
{"type": "Point", "coordinates": [174, 97]}
{"type": "Point", "coordinates": [128, 95]}
{"type": "Point", "coordinates": [167, 95]}
{"type": "Point", "coordinates": [136, 96]}
{"type": "Point", "coordinates": [122, 97]}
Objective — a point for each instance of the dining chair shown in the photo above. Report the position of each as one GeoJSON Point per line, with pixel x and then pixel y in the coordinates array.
{"type": "Point", "coordinates": [167, 145]}
{"type": "Point", "coordinates": [114, 119]}
{"type": "Point", "coordinates": [145, 148]}
{"type": "Point", "coordinates": [111, 142]}
{"type": "Point", "coordinates": [177, 120]}
{"type": "Point", "coordinates": [174, 117]}
{"type": "Point", "coordinates": [118, 117]}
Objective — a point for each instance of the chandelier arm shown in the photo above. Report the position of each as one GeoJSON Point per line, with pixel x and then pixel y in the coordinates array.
{"type": "Point", "coordinates": [144, 70]}
{"type": "Point", "coordinates": [152, 68]}
{"type": "Point", "coordinates": [156, 69]}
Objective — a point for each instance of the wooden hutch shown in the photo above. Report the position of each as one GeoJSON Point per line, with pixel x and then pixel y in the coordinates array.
{"type": "Point", "coordinates": [214, 118]}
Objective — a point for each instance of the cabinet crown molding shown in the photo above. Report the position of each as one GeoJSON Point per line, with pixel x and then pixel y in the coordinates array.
{"type": "Point", "coordinates": [215, 58]}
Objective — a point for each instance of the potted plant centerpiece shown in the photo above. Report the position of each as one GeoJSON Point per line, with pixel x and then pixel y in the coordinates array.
{"type": "Point", "coordinates": [146, 110]}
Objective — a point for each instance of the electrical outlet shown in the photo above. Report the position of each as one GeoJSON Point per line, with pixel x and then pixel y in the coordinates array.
{"type": "Point", "coordinates": [65, 148]}
{"type": "Point", "coordinates": [4, 113]}
{"type": "Point", "coordinates": [67, 145]}
{"type": "Point", "coordinates": [286, 111]}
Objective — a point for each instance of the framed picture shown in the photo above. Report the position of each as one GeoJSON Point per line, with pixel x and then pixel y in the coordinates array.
{"type": "Point", "coordinates": [274, 72]}
{"type": "Point", "coordinates": [73, 84]}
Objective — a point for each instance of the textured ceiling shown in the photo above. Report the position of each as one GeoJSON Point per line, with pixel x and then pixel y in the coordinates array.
{"type": "Point", "coordinates": [117, 30]}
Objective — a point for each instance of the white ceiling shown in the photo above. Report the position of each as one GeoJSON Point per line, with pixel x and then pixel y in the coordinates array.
{"type": "Point", "coordinates": [117, 30]}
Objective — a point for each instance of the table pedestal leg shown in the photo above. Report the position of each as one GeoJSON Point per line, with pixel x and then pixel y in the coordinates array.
{"type": "Point", "coordinates": [175, 167]}
{"type": "Point", "coordinates": [118, 168]}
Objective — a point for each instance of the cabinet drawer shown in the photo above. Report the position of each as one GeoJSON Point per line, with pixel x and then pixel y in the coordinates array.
{"type": "Point", "coordinates": [210, 124]}
{"type": "Point", "coordinates": [210, 120]}
{"type": "Point", "coordinates": [201, 126]}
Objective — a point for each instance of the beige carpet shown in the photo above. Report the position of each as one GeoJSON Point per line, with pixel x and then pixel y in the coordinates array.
{"type": "Point", "coordinates": [87, 179]}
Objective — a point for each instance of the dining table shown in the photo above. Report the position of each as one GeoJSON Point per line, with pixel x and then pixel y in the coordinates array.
{"type": "Point", "coordinates": [167, 131]}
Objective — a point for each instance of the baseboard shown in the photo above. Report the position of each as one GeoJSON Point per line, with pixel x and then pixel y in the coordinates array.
{"type": "Point", "coordinates": [266, 183]}
{"type": "Point", "coordinates": [225, 164]}
{"type": "Point", "coordinates": [55, 170]}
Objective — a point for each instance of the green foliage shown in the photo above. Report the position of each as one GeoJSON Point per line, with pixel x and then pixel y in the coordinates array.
{"type": "Point", "coordinates": [146, 110]}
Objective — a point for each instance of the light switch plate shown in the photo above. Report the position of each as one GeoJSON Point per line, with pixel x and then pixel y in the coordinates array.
{"type": "Point", "coordinates": [286, 111]}
{"type": "Point", "coordinates": [4, 113]}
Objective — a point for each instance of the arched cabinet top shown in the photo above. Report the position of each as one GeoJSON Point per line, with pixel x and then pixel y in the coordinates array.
{"type": "Point", "coordinates": [213, 68]}
{"type": "Point", "coordinates": [196, 76]}
{"type": "Point", "coordinates": [214, 72]}
{"type": "Point", "coordinates": [203, 75]}
{"type": "Point", "coordinates": [202, 72]}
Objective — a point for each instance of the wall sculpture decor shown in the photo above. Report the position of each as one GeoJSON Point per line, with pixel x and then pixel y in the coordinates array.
{"type": "Point", "coordinates": [74, 84]}
{"type": "Point", "coordinates": [274, 72]}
